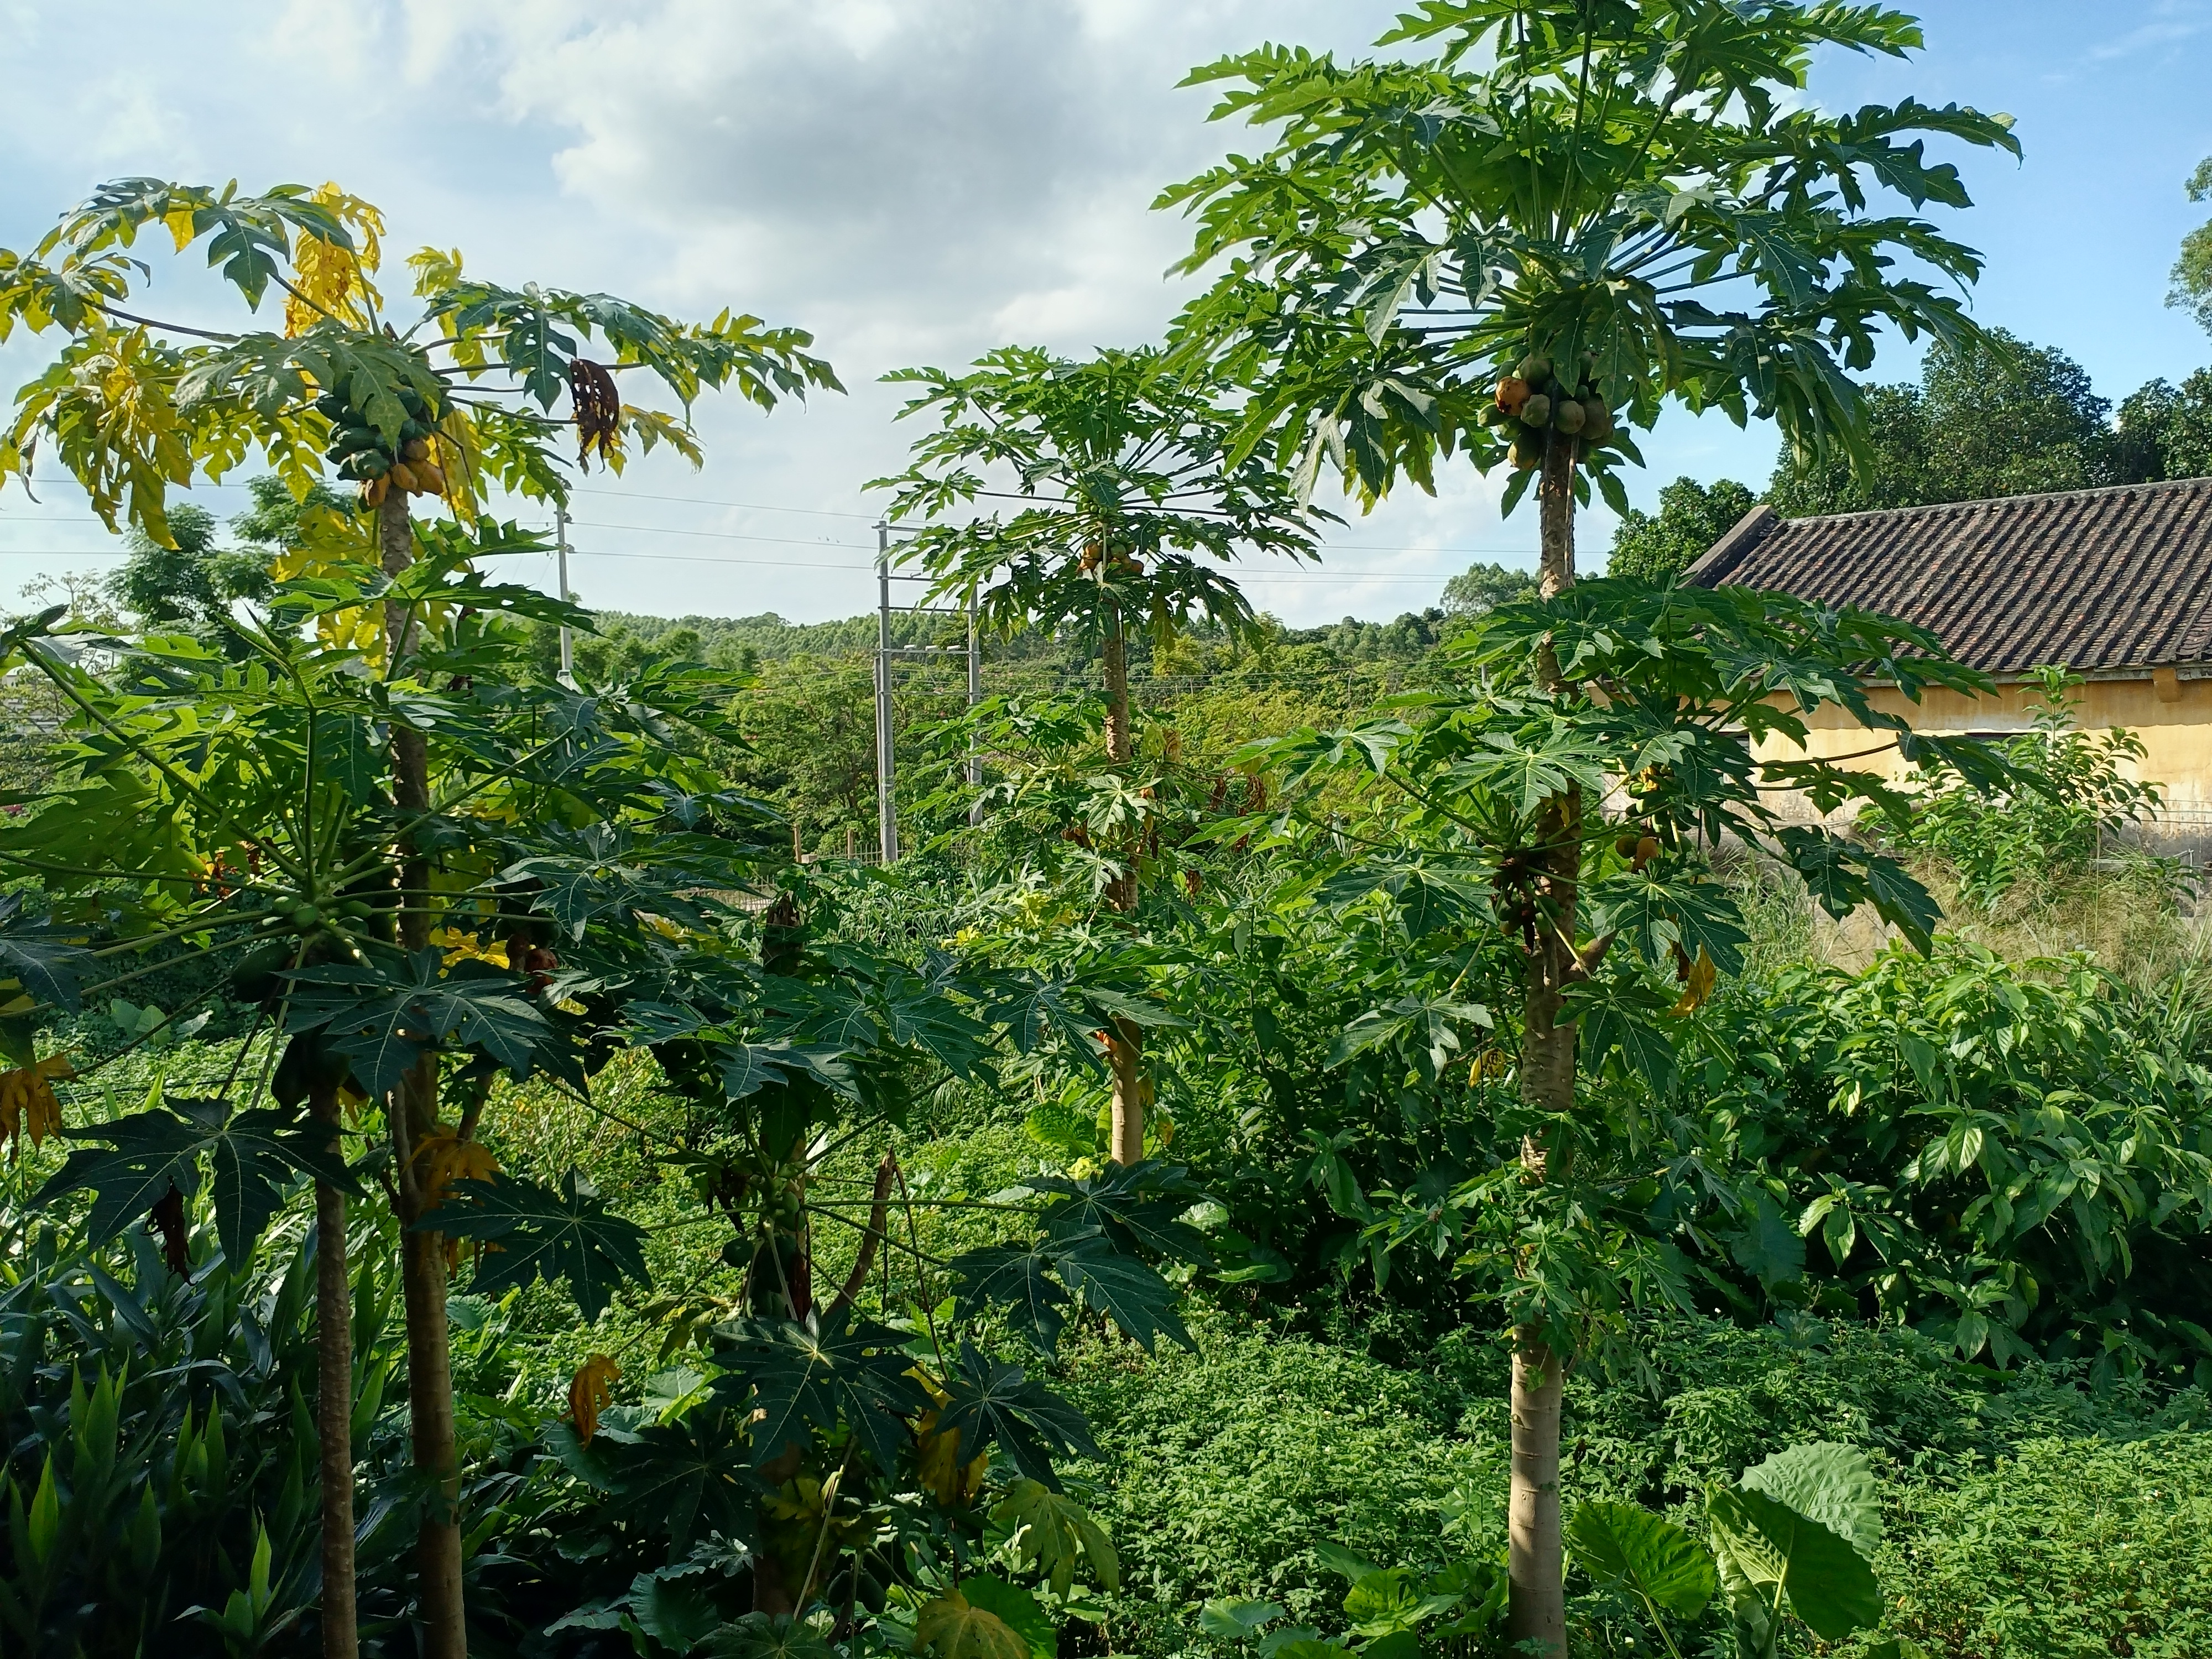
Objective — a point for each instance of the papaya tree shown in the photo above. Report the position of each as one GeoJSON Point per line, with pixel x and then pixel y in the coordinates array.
{"type": "Point", "coordinates": [459, 404]}
{"type": "Point", "coordinates": [1121, 486]}
{"type": "Point", "coordinates": [1523, 244]}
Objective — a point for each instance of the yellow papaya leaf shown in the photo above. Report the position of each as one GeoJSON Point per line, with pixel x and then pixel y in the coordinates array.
{"type": "Point", "coordinates": [1489, 1066]}
{"type": "Point", "coordinates": [28, 1106]}
{"type": "Point", "coordinates": [467, 947]}
{"type": "Point", "coordinates": [1052, 1533]}
{"type": "Point", "coordinates": [953, 1628]}
{"type": "Point", "coordinates": [330, 282]}
{"type": "Point", "coordinates": [1697, 980]}
{"type": "Point", "coordinates": [589, 1392]}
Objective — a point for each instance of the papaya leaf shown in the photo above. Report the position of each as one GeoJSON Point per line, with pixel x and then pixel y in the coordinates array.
{"type": "Point", "coordinates": [541, 1233]}
{"type": "Point", "coordinates": [990, 1400]}
{"type": "Point", "coordinates": [684, 1478]}
{"type": "Point", "coordinates": [763, 1636]}
{"type": "Point", "coordinates": [250, 1159]}
{"type": "Point", "coordinates": [952, 1627]}
{"type": "Point", "coordinates": [1017, 1609]}
{"type": "Point", "coordinates": [817, 1375]}
{"type": "Point", "coordinates": [1053, 1533]}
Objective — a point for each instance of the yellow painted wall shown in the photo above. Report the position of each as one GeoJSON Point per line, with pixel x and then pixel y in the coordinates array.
{"type": "Point", "coordinates": [2178, 735]}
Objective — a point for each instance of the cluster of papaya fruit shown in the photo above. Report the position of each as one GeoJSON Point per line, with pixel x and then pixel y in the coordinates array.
{"type": "Point", "coordinates": [1537, 401]}
{"type": "Point", "coordinates": [362, 454]}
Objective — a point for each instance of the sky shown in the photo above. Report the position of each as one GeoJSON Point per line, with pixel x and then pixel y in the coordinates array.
{"type": "Point", "coordinates": [916, 181]}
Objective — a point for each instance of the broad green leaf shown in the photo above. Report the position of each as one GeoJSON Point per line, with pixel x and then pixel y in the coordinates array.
{"type": "Point", "coordinates": [817, 1375]}
{"type": "Point", "coordinates": [1627, 1544]}
{"type": "Point", "coordinates": [1017, 1609]}
{"type": "Point", "coordinates": [675, 1613]}
{"type": "Point", "coordinates": [250, 1158]}
{"type": "Point", "coordinates": [1763, 1542]}
{"type": "Point", "coordinates": [953, 1628]}
{"type": "Point", "coordinates": [760, 1636]}
{"type": "Point", "coordinates": [1238, 1621]}
{"type": "Point", "coordinates": [682, 1478]}
{"type": "Point", "coordinates": [993, 1401]}
{"type": "Point", "coordinates": [568, 1234]}
{"type": "Point", "coordinates": [1832, 1484]}
{"type": "Point", "coordinates": [1053, 1533]}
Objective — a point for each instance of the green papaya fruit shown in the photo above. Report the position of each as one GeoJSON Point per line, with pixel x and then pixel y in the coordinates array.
{"type": "Point", "coordinates": [1535, 368]}
{"type": "Point", "coordinates": [1537, 412]}
{"type": "Point", "coordinates": [331, 407]}
{"type": "Point", "coordinates": [1568, 416]}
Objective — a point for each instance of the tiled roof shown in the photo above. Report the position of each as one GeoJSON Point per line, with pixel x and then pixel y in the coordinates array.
{"type": "Point", "coordinates": [2094, 579]}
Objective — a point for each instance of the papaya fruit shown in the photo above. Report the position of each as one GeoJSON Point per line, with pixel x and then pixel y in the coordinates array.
{"type": "Point", "coordinates": [1597, 423]}
{"type": "Point", "coordinates": [1537, 412]}
{"type": "Point", "coordinates": [331, 407]}
{"type": "Point", "coordinates": [1512, 392]}
{"type": "Point", "coordinates": [403, 476]}
{"type": "Point", "coordinates": [414, 450]}
{"type": "Point", "coordinates": [1526, 453]}
{"type": "Point", "coordinates": [1535, 368]}
{"type": "Point", "coordinates": [1568, 416]}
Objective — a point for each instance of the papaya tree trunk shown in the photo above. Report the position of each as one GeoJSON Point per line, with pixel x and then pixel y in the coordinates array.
{"type": "Point", "coordinates": [1125, 1049]}
{"type": "Point", "coordinates": [1537, 1610]}
{"type": "Point", "coordinates": [334, 1397]}
{"type": "Point", "coordinates": [413, 1113]}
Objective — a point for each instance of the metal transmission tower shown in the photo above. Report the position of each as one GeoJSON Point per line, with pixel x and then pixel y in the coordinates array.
{"type": "Point", "coordinates": [887, 656]}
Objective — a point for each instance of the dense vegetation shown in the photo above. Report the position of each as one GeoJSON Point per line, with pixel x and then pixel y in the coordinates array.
{"type": "Point", "coordinates": [1389, 1141]}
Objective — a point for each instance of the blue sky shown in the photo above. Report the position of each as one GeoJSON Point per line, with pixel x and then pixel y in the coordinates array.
{"type": "Point", "coordinates": [917, 180]}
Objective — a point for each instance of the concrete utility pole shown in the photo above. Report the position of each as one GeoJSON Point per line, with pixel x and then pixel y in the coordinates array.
{"type": "Point", "coordinates": [887, 655]}
{"type": "Point", "coordinates": [886, 806]}
{"type": "Point", "coordinates": [567, 638]}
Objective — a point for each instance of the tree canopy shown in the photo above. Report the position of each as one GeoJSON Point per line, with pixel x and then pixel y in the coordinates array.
{"type": "Point", "coordinates": [1659, 547]}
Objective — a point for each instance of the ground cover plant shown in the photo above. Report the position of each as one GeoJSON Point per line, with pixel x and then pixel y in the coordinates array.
{"type": "Point", "coordinates": [1359, 1152]}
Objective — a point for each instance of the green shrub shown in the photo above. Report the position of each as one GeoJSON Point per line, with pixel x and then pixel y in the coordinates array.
{"type": "Point", "coordinates": [2070, 1549]}
{"type": "Point", "coordinates": [1227, 1466]}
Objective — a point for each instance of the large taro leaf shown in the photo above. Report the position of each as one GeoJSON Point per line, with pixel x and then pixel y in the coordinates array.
{"type": "Point", "coordinates": [250, 1158]}
{"type": "Point", "coordinates": [1832, 1484]}
{"type": "Point", "coordinates": [818, 1374]}
{"type": "Point", "coordinates": [1627, 1545]}
{"type": "Point", "coordinates": [952, 1627]}
{"type": "Point", "coordinates": [1762, 1542]}
{"type": "Point", "coordinates": [568, 1234]}
{"type": "Point", "coordinates": [990, 1400]}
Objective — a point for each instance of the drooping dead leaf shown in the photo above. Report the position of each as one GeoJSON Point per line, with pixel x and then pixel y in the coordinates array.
{"type": "Point", "coordinates": [598, 410]}
{"type": "Point", "coordinates": [1698, 979]}
{"type": "Point", "coordinates": [589, 1393]}
{"type": "Point", "coordinates": [166, 1221]}
{"type": "Point", "coordinates": [28, 1106]}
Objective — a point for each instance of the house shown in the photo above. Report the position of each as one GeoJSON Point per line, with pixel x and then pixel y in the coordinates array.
{"type": "Point", "coordinates": [2115, 584]}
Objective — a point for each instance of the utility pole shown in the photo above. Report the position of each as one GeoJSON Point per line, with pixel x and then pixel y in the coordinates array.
{"type": "Point", "coordinates": [886, 806]}
{"type": "Point", "coordinates": [560, 552]}
{"type": "Point", "coordinates": [887, 655]}
{"type": "Point", "coordinates": [974, 696]}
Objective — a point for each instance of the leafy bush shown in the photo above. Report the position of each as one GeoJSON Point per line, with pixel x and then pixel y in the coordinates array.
{"type": "Point", "coordinates": [1229, 1470]}
{"type": "Point", "coordinates": [2070, 1549]}
{"type": "Point", "coordinates": [2073, 795]}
